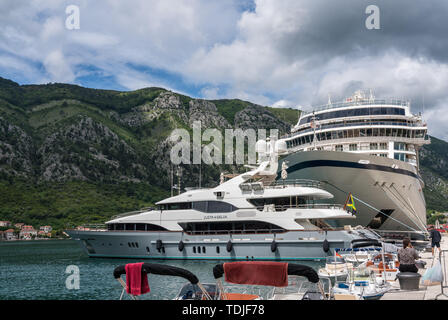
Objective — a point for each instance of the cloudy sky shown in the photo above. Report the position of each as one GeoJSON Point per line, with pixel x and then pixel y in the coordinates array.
{"type": "Point", "coordinates": [290, 53]}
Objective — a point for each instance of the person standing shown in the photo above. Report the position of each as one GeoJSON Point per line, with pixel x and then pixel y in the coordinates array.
{"type": "Point", "coordinates": [407, 256]}
{"type": "Point", "coordinates": [436, 237]}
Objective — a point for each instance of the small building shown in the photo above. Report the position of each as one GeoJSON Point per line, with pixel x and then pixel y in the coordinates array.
{"type": "Point", "coordinates": [19, 225]}
{"type": "Point", "coordinates": [46, 229]}
{"type": "Point", "coordinates": [9, 234]}
{"type": "Point", "coordinates": [27, 232]}
{"type": "Point", "coordinates": [5, 223]}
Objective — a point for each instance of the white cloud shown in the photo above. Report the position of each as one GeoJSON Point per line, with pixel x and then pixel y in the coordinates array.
{"type": "Point", "coordinates": [282, 53]}
{"type": "Point", "coordinates": [58, 67]}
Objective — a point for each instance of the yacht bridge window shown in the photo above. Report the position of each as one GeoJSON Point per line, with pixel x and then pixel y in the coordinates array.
{"type": "Point", "coordinates": [202, 206]}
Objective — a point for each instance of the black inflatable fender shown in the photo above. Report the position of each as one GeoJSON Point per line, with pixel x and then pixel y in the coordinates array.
{"type": "Point", "coordinates": [159, 244]}
{"type": "Point", "coordinates": [326, 246]}
{"type": "Point", "coordinates": [181, 246]}
{"type": "Point", "coordinates": [274, 246]}
{"type": "Point", "coordinates": [229, 246]}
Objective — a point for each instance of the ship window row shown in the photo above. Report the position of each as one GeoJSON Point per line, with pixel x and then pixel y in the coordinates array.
{"type": "Point", "coordinates": [229, 227]}
{"type": "Point", "coordinates": [202, 206]}
{"type": "Point", "coordinates": [355, 113]}
{"type": "Point", "coordinates": [134, 227]}
{"type": "Point", "coordinates": [356, 123]}
{"type": "Point", "coordinates": [356, 133]}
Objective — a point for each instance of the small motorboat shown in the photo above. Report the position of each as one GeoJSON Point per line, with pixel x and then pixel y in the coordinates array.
{"type": "Point", "coordinates": [366, 289]}
{"type": "Point", "coordinates": [384, 266]}
{"type": "Point", "coordinates": [336, 268]}
{"type": "Point", "coordinates": [362, 284]}
{"type": "Point", "coordinates": [196, 291]}
{"type": "Point", "coordinates": [288, 281]}
{"type": "Point", "coordinates": [358, 256]}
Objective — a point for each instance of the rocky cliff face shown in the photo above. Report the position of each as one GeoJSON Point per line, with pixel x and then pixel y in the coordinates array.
{"type": "Point", "coordinates": [72, 136]}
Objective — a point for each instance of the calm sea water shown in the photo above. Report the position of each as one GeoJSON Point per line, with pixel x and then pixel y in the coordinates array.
{"type": "Point", "coordinates": [36, 270]}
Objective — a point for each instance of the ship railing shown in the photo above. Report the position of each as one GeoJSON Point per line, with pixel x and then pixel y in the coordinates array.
{"type": "Point", "coordinates": [131, 213]}
{"type": "Point", "coordinates": [277, 208]}
{"type": "Point", "coordinates": [92, 227]}
{"type": "Point", "coordinates": [393, 102]}
{"type": "Point", "coordinates": [279, 184]}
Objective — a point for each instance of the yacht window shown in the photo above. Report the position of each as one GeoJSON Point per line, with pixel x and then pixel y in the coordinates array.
{"type": "Point", "coordinates": [374, 146]}
{"type": "Point", "coordinates": [353, 147]}
{"type": "Point", "coordinates": [140, 227]}
{"type": "Point", "coordinates": [213, 206]}
{"type": "Point", "coordinates": [383, 146]}
{"type": "Point", "coordinates": [339, 147]}
{"type": "Point", "coordinates": [229, 227]}
{"type": "Point", "coordinates": [177, 206]}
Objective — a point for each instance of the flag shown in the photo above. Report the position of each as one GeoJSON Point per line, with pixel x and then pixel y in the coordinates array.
{"type": "Point", "coordinates": [350, 204]}
{"type": "Point", "coordinates": [337, 254]}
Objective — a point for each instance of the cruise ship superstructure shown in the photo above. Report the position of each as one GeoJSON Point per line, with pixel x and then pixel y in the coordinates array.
{"type": "Point", "coordinates": [250, 216]}
{"type": "Point", "coordinates": [367, 147]}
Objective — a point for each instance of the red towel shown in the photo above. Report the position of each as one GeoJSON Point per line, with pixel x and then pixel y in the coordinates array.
{"type": "Point", "coordinates": [135, 283]}
{"type": "Point", "coordinates": [257, 273]}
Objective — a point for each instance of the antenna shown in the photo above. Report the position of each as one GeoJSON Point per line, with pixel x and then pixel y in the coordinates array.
{"type": "Point", "coordinates": [171, 178]}
{"type": "Point", "coordinates": [179, 174]}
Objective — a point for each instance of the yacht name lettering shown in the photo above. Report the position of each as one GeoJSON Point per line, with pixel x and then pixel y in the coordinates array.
{"type": "Point", "coordinates": [210, 311]}
{"type": "Point", "coordinates": [215, 217]}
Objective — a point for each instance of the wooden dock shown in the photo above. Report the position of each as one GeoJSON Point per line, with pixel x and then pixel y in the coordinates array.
{"type": "Point", "coordinates": [425, 292]}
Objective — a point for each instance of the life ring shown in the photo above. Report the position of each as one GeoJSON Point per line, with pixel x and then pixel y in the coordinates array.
{"type": "Point", "coordinates": [229, 246]}
{"type": "Point", "coordinates": [273, 246]}
{"type": "Point", "coordinates": [181, 246]}
{"type": "Point", "coordinates": [326, 246]}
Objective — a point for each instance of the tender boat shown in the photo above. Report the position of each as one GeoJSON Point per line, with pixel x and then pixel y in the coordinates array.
{"type": "Point", "coordinates": [336, 268]}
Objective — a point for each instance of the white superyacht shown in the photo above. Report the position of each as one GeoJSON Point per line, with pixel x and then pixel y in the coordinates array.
{"type": "Point", "coordinates": [250, 216]}
{"type": "Point", "coordinates": [370, 148]}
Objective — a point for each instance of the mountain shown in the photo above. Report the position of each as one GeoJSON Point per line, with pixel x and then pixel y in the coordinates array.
{"type": "Point", "coordinates": [72, 155]}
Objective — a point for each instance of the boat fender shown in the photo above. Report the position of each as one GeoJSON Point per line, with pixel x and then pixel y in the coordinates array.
{"type": "Point", "coordinates": [181, 246]}
{"type": "Point", "coordinates": [229, 246]}
{"type": "Point", "coordinates": [326, 246]}
{"type": "Point", "coordinates": [159, 244]}
{"type": "Point", "coordinates": [273, 246]}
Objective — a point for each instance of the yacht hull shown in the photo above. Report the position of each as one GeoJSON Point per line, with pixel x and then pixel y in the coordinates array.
{"type": "Point", "coordinates": [291, 245]}
{"type": "Point", "coordinates": [381, 184]}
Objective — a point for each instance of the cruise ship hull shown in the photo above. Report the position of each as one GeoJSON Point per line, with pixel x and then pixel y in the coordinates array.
{"type": "Point", "coordinates": [380, 184]}
{"type": "Point", "coordinates": [292, 245]}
